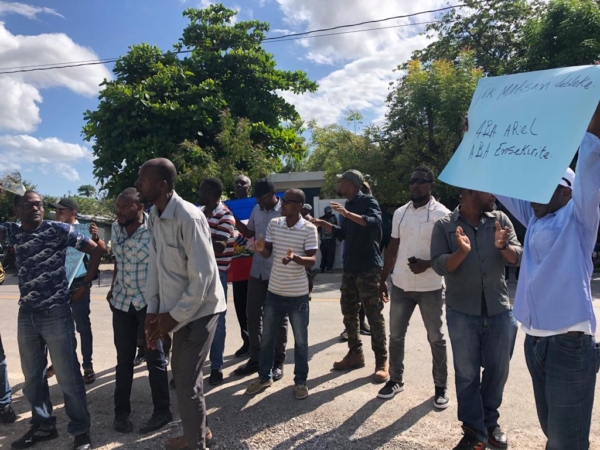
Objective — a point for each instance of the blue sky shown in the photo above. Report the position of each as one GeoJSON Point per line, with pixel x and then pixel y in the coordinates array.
{"type": "Point", "coordinates": [42, 112]}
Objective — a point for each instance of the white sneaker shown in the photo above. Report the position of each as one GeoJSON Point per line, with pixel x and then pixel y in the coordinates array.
{"type": "Point", "coordinates": [441, 400]}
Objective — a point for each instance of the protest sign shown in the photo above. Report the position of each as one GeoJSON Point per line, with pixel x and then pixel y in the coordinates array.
{"type": "Point", "coordinates": [524, 130]}
{"type": "Point", "coordinates": [74, 257]}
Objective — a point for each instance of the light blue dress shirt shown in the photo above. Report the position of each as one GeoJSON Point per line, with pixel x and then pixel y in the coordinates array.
{"type": "Point", "coordinates": [554, 291]}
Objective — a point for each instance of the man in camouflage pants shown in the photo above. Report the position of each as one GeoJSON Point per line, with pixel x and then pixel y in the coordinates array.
{"type": "Point", "coordinates": [361, 230]}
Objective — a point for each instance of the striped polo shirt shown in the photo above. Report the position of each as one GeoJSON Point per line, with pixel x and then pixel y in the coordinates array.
{"type": "Point", "coordinates": [222, 223]}
{"type": "Point", "coordinates": [290, 280]}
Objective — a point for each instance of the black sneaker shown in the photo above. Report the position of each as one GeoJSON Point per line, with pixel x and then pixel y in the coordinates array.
{"type": "Point", "coordinates": [441, 400]}
{"type": "Point", "coordinates": [497, 437]}
{"type": "Point", "coordinates": [140, 357]}
{"type": "Point", "coordinates": [7, 415]}
{"type": "Point", "coordinates": [390, 389]}
{"type": "Point", "coordinates": [216, 377]}
{"type": "Point", "coordinates": [156, 422]}
{"type": "Point", "coordinates": [242, 351]}
{"type": "Point", "coordinates": [470, 442]}
{"type": "Point", "coordinates": [82, 442]}
{"type": "Point", "coordinates": [247, 369]}
{"type": "Point", "coordinates": [365, 329]}
{"type": "Point", "coordinates": [122, 424]}
{"type": "Point", "coordinates": [277, 371]}
{"type": "Point", "coordinates": [37, 433]}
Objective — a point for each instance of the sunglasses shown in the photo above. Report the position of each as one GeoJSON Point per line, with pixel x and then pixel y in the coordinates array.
{"type": "Point", "coordinates": [285, 201]}
{"type": "Point", "coordinates": [28, 206]}
{"type": "Point", "coordinates": [419, 181]}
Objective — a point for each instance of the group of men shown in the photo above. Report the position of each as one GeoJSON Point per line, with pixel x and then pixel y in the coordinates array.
{"type": "Point", "coordinates": [172, 269]}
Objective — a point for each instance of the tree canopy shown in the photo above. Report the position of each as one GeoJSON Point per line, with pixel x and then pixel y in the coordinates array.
{"type": "Point", "coordinates": [215, 97]}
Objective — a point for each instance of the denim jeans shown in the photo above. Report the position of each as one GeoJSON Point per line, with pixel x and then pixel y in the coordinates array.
{"type": "Point", "coordinates": [563, 371]}
{"type": "Point", "coordinates": [83, 325]}
{"type": "Point", "coordinates": [480, 341]}
{"type": "Point", "coordinates": [276, 308]}
{"type": "Point", "coordinates": [52, 330]}
{"type": "Point", "coordinates": [217, 349]}
{"type": "Point", "coordinates": [125, 332]}
{"type": "Point", "coordinates": [402, 307]}
{"type": "Point", "coordinates": [5, 390]}
{"type": "Point", "coordinates": [257, 295]}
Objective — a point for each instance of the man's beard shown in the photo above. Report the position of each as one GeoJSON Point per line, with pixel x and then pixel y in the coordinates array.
{"type": "Point", "coordinates": [127, 222]}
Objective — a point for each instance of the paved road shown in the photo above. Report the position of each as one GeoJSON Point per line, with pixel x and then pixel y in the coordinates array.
{"type": "Point", "coordinates": [340, 413]}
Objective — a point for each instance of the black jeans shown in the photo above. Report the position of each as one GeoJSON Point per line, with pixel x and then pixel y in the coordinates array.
{"type": "Point", "coordinates": [125, 328]}
{"type": "Point", "coordinates": [240, 300]}
{"type": "Point", "coordinates": [328, 253]}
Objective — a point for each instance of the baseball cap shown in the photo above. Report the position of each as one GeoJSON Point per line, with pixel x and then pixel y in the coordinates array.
{"type": "Point", "coordinates": [354, 176]}
{"type": "Point", "coordinates": [568, 179]}
{"type": "Point", "coordinates": [65, 203]}
{"type": "Point", "coordinates": [263, 187]}
{"type": "Point", "coordinates": [328, 209]}
{"type": "Point", "coordinates": [307, 207]}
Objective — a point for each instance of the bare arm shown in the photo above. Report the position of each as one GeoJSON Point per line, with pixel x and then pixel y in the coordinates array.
{"type": "Point", "coordinates": [306, 261]}
{"type": "Point", "coordinates": [243, 228]}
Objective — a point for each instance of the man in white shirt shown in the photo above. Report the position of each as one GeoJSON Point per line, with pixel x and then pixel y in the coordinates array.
{"type": "Point", "coordinates": [183, 292]}
{"type": "Point", "coordinates": [293, 242]}
{"type": "Point", "coordinates": [415, 283]}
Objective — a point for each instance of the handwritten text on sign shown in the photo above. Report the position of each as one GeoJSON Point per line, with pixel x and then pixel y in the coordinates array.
{"type": "Point", "coordinates": [524, 130]}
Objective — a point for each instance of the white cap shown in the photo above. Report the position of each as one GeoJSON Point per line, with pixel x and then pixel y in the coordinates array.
{"type": "Point", "coordinates": [568, 179]}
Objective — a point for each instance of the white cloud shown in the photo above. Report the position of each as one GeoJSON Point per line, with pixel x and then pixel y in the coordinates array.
{"type": "Point", "coordinates": [19, 111]}
{"type": "Point", "coordinates": [365, 60]}
{"type": "Point", "coordinates": [205, 3]}
{"type": "Point", "coordinates": [51, 155]}
{"type": "Point", "coordinates": [360, 85]}
{"type": "Point", "coordinates": [28, 11]}
{"type": "Point", "coordinates": [51, 49]}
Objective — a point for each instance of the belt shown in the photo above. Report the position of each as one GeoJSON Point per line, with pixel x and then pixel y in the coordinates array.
{"type": "Point", "coordinates": [570, 334]}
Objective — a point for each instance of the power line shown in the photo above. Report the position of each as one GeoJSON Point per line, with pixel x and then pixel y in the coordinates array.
{"type": "Point", "coordinates": [405, 16]}
{"type": "Point", "coordinates": [283, 38]}
{"type": "Point", "coordinates": [355, 31]}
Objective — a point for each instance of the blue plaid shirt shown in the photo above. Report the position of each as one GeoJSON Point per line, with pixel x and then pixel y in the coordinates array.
{"type": "Point", "coordinates": [131, 255]}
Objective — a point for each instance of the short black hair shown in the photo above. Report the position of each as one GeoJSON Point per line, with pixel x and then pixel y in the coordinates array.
{"type": "Point", "coordinates": [131, 192]}
{"type": "Point", "coordinates": [299, 194]}
{"type": "Point", "coordinates": [426, 170]}
{"type": "Point", "coordinates": [165, 169]}
{"type": "Point", "coordinates": [17, 199]}
{"type": "Point", "coordinates": [215, 185]}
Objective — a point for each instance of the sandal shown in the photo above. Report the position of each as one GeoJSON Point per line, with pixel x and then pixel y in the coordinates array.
{"type": "Point", "coordinates": [50, 371]}
{"type": "Point", "coordinates": [89, 376]}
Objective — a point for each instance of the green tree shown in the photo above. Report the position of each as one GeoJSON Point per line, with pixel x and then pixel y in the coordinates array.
{"type": "Point", "coordinates": [187, 107]}
{"type": "Point", "coordinates": [97, 207]}
{"type": "Point", "coordinates": [425, 118]}
{"type": "Point", "coordinates": [492, 29]}
{"type": "Point", "coordinates": [335, 149]}
{"type": "Point", "coordinates": [7, 201]}
{"type": "Point", "coordinates": [86, 190]}
{"type": "Point", "coordinates": [566, 34]}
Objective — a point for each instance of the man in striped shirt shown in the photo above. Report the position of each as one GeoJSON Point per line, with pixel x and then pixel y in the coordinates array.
{"type": "Point", "coordinates": [293, 243]}
{"type": "Point", "coordinates": [222, 230]}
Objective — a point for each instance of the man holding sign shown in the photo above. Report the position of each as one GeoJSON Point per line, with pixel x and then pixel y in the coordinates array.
{"type": "Point", "coordinates": [555, 310]}
{"type": "Point", "coordinates": [470, 247]}
{"type": "Point", "coordinates": [66, 212]}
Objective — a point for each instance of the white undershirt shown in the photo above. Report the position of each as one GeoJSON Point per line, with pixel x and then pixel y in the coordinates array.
{"type": "Point", "coordinates": [582, 327]}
